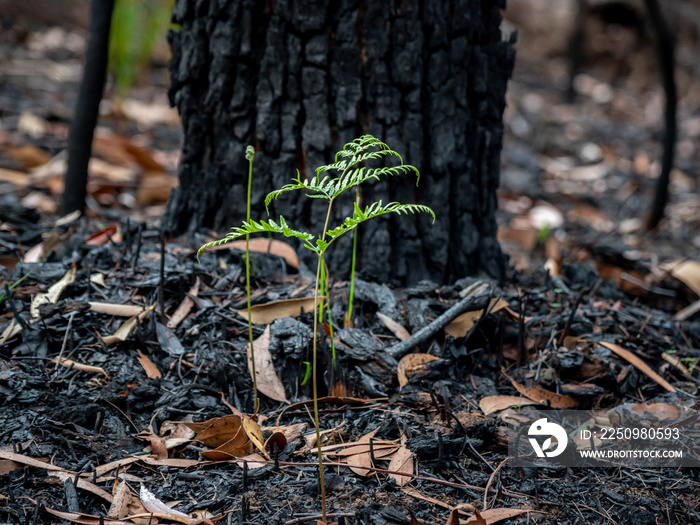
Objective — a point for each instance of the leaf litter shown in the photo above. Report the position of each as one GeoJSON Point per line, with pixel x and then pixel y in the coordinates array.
{"type": "Point", "coordinates": [626, 349]}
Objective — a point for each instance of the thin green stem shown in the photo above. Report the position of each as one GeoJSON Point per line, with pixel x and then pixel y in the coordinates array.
{"type": "Point", "coordinates": [250, 152]}
{"type": "Point", "coordinates": [313, 367]}
{"type": "Point", "coordinates": [348, 314]}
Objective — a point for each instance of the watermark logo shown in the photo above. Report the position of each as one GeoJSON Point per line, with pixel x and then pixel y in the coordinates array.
{"type": "Point", "coordinates": [642, 436]}
{"type": "Point", "coordinates": [542, 427]}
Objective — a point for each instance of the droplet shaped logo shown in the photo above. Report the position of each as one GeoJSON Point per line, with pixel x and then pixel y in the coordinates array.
{"type": "Point", "coordinates": [542, 427]}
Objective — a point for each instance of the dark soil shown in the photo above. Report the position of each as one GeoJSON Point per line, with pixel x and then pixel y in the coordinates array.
{"type": "Point", "coordinates": [59, 425]}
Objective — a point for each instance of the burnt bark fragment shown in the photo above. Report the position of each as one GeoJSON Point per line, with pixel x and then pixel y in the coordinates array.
{"type": "Point", "coordinates": [298, 80]}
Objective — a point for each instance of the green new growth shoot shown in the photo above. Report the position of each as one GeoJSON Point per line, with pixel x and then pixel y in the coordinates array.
{"type": "Point", "coordinates": [348, 164]}
{"type": "Point", "coordinates": [250, 155]}
{"type": "Point", "coordinates": [307, 373]}
{"type": "Point", "coordinates": [15, 285]}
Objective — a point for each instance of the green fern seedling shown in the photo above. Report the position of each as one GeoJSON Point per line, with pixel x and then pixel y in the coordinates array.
{"type": "Point", "coordinates": [349, 165]}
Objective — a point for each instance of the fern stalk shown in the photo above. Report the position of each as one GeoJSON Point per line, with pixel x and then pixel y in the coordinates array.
{"type": "Point", "coordinates": [354, 153]}
{"type": "Point", "coordinates": [313, 367]}
{"type": "Point", "coordinates": [348, 314]}
{"type": "Point", "coordinates": [250, 155]}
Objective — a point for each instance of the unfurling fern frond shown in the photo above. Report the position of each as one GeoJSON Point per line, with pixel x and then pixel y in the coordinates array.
{"type": "Point", "coordinates": [313, 185]}
{"type": "Point", "coordinates": [358, 176]}
{"type": "Point", "coordinates": [262, 226]}
{"type": "Point", "coordinates": [360, 145]}
{"type": "Point", "coordinates": [353, 153]}
{"type": "Point", "coordinates": [375, 210]}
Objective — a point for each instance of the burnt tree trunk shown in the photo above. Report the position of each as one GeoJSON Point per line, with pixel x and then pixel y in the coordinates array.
{"type": "Point", "coordinates": [300, 79]}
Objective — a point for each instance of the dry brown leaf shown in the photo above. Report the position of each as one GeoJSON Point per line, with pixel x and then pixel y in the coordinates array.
{"type": "Point", "coordinates": [185, 306]}
{"type": "Point", "coordinates": [266, 378]}
{"type": "Point", "coordinates": [18, 178]}
{"type": "Point", "coordinates": [68, 363]}
{"type": "Point", "coordinates": [252, 460]}
{"type": "Point", "coordinates": [411, 364]}
{"type": "Point", "coordinates": [350, 449]}
{"type": "Point", "coordinates": [544, 397]}
{"type": "Point", "coordinates": [154, 188]}
{"type": "Point", "coordinates": [461, 325]}
{"type": "Point", "coordinates": [688, 272]}
{"type": "Point", "coordinates": [82, 484]}
{"type": "Point", "coordinates": [169, 462]}
{"type": "Point", "coordinates": [120, 502]}
{"type": "Point", "coordinates": [101, 470]}
{"type": "Point", "coordinates": [119, 310]}
{"type": "Point", "coordinates": [85, 519]}
{"type": "Point", "coordinates": [7, 466]}
{"type": "Point", "coordinates": [255, 435]}
{"type": "Point", "coordinates": [31, 462]}
{"type": "Point", "coordinates": [273, 246]}
{"type": "Point", "coordinates": [10, 331]}
{"type": "Point", "coordinates": [226, 435]}
{"type": "Point", "coordinates": [638, 363]}
{"type": "Point", "coordinates": [661, 412]}
{"type": "Point", "coordinates": [490, 516]}
{"type": "Point", "coordinates": [29, 155]}
{"type": "Point", "coordinates": [149, 367]}
{"type": "Point", "coordinates": [269, 312]}
{"type": "Point", "coordinates": [418, 495]}
{"type": "Point", "coordinates": [492, 404]}
{"type": "Point", "coordinates": [292, 433]}
{"type": "Point", "coordinates": [217, 431]}
{"type": "Point", "coordinates": [54, 292]}
{"type": "Point", "coordinates": [453, 518]}
{"type": "Point", "coordinates": [278, 439]}
{"type": "Point", "coordinates": [360, 463]}
{"type": "Point", "coordinates": [402, 462]}
{"type": "Point", "coordinates": [397, 329]}
{"type": "Point", "coordinates": [124, 331]}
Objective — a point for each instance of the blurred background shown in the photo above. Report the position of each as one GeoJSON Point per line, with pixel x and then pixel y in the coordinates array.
{"type": "Point", "coordinates": [584, 121]}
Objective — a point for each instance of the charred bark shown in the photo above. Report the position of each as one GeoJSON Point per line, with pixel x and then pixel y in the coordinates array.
{"type": "Point", "coordinates": [300, 79]}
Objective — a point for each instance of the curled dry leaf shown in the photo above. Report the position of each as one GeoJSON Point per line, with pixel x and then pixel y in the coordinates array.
{"type": "Point", "coordinates": [54, 292]}
{"type": "Point", "coordinates": [149, 367]}
{"type": "Point", "coordinates": [255, 435]}
{"type": "Point", "coordinates": [273, 246]}
{"type": "Point", "coordinates": [267, 313]}
{"type": "Point", "coordinates": [412, 364]}
{"type": "Point", "coordinates": [462, 324]}
{"type": "Point", "coordinates": [185, 306]}
{"type": "Point", "coordinates": [688, 272]}
{"type": "Point", "coordinates": [638, 363]}
{"type": "Point", "coordinates": [51, 243]}
{"type": "Point", "coordinates": [124, 331]}
{"type": "Point", "coordinates": [120, 502]}
{"type": "Point", "coordinates": [490, 516]}
{"type": "Point", "coordinates": [402, 461]}
{"type": "Point", "coordinates": [68, 363]}
{"type": "Point", "coordinates": [266, 377]}
{"type": "Point", "coordinates": [492, 404]}
{"type": "Point", "coordinates": [225, 435]}
{"type": "Point", "coordinates": [85, 519]}
{"type": "Point", "coordinates": [397, 329]}
{"type": "Point", "coordinates": [277, 438]}
{"type": "Point", "coordinates": [82, 484]}
{"type": "Point", "coordinates": [544, 397]}
{"type": "Point", "coordinates": [119, 310]}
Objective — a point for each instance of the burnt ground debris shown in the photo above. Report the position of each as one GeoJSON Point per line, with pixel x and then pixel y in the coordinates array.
{"type": "Point", "coordinates": [83, 419]}
{"type": "Point", "coordinates": [61, 425]}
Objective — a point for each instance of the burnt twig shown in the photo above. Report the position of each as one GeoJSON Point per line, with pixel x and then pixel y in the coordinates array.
{"type": "Point", "coordinates": [468, 304]}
